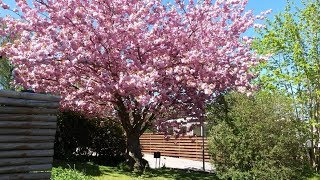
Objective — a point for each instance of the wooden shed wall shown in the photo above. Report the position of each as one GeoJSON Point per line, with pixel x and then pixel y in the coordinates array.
{"type": "Point", "coordinates": [27, 130]}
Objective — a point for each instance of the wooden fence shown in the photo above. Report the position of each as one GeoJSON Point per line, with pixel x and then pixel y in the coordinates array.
{"type": "Point", "coordinates": [27, 132]}
{"type": "Point", "coordinates": [182, 147]}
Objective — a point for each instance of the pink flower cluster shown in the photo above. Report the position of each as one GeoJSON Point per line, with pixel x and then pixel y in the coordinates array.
{"type": "Point", "coordinates": [151, 55]}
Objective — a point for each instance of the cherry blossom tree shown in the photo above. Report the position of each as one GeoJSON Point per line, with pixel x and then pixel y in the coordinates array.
{"type": "Point", "coordinates": [131, 59]}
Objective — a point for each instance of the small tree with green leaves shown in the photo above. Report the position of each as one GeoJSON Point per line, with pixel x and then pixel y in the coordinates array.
{"type": "Point", "coordinates": [293, 39]}
{"type": "Point", "coordinates": [257, 138]}
{"type": "Point", "coordinates": [6, 68]}
{"type": "Point", "coordinates": [6, 76]}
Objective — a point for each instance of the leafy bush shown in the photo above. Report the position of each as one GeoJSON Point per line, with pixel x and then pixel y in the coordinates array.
{"type": "Point", "coordinates": [68, 174]}
{"type": "Point", "coordinates": [84, 139]}
{"type": "Point", "coordinates": [257, 138]}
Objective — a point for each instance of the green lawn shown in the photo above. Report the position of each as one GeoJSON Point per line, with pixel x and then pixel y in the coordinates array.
{"type": "Point", "coordinates": [89, 171]}
{"type": "Point", "coordinates": [86, 171]}
{"type": "Point", "coordinates": [315, 177]}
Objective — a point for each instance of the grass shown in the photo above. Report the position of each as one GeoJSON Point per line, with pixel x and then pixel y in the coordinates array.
{"type": "Point", "coordinates": [86, 171]}
{"type": "Point", "coordinates": [89, 171]}
{"type": "Point", "coordinates": [315, 177]}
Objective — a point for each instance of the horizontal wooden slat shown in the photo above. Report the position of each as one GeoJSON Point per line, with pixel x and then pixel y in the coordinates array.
{"type": "Point", "coordinates": [28, 132]}
{"type": "Point", "coordinates": [187, 151]}
{"type": "Point", "coordinates": [199, 157]}
{"type": "Point", "coordinates": [169, 137]}
{"type": "Point", "coordinates": [24, 125]}
{"type": "Point", "coordinates": [24, 110]}
{"type": "Point", "coordinates": [172, 146]}
{"type": "Point", "coordinates": [20, 117]}
{"type": "Point", "coordinates": [182, 151]}
{"type": "Point", "coordinates": [29, 176]}
{"type": "Point", "coordinates": [180, 155]}
{"type": "Point", "coordinates": [157, 136]}
{"type": "Point", "coordinates": [26, 153]}
{"type": "Point", "coordinates": [26, 95]}
{"type": "Point", "coordinates": [187, 148]}
{"type": "Point", "coordinates": [166, 140]}
{"type": "Point", "coordinates": [25, 161]}
{"type": "Point", "coordinates": [26, 146]}
{"type": "Point", "coordinates": [25, 168]}
{"type": "Point", "coordinates": [27, 103]}
{"type": "Point", "coordinates": [173, 143]}
{"type": "Point", "coordinates": [181, 147]}
{"type": "Point", "coordinates": [180, 140]}
{"type": "Point", "coordinates": [206, 158]}
{"type": "Point", "coordinates": [178, 152]}
{"type": "Point", "coordinates": [27, 139]}
{"type": "Point", "coordinates": [28, 125]}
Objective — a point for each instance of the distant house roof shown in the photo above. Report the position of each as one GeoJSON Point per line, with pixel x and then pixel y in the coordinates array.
{"type": "Point", "coordinates": [192, 120]}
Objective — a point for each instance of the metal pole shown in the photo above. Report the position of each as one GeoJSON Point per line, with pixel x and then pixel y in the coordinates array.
{"type": "Point", "coordinates": [202, 134]}
{"type": "Point", "coordinates": [155, 166]}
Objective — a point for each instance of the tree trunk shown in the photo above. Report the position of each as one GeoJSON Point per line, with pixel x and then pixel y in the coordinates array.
{"type": "Point", "coordinates": [134, 154]}
{"type": "Point", "coordinates": [313, 150]}
{"type": "Point", "coordinates": [134, 124]}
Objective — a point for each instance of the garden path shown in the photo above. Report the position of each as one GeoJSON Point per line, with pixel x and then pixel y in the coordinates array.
{"type": "Point", "coordinates": [178, 163]}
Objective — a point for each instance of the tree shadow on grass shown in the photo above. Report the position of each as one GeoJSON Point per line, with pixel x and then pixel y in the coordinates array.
{"type": "Point", "coordinates": [179, 174]}
{"type": "Point", "coordinates": [89, 169]}
{"type": "Point", "coordinates": [94, 170]}
{"type": "Point", "coordinates": [171, 174]}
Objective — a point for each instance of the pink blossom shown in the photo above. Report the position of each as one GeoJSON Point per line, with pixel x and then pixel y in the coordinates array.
{"type": "Point", "coordinates": [259, 26]}
{"type": "Point", "coordinates": [4, 6]}
{"type": "Point", "coordinates": [111, 57]}
{"type": "Point", "coordinates": [266, 12]}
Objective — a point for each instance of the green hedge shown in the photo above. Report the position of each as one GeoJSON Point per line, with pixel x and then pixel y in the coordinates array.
{"type": "Point", "coordinates": [82, 139]}
{"type": "Point", "coordinates": [257, 138]}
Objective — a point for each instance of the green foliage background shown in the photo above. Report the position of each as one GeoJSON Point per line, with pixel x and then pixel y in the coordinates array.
{"type": "Point", "coordinates": [5, 73]}
{"type": "Point", "coordinates": [257, 138]}
{"type": "Point", "coordinates": [78, 137]}
{"type": "Point", "coordinates": [293, 40]}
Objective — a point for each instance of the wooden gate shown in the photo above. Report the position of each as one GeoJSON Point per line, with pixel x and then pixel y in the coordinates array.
{"type": "Point", "coordinates": [27, 132]}
{"type": "Point", "coordinates": [182, 147]}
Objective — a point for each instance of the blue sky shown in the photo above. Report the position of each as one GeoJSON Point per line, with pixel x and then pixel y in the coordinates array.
{"type": "Point", "coordinates": [256, 5]}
